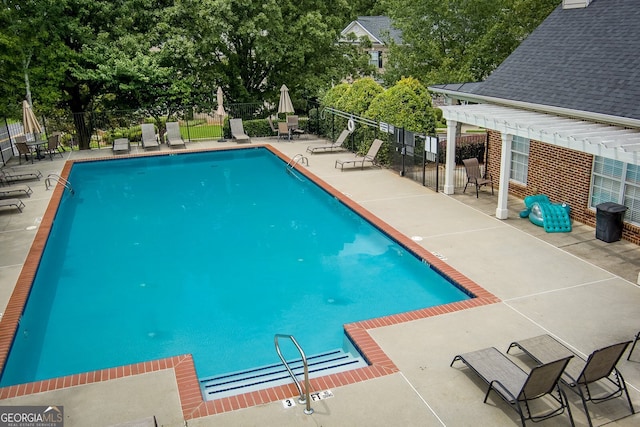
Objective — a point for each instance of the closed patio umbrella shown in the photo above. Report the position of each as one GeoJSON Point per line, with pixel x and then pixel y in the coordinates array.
{"type": "Point", "coordinates": [285, 105]}
{"type": "Point", "coordinates": [220, 112]}
{"type": "Point", "coordinates": [220, 98]}
{"type": "Point", "coordinates": [29, 121]}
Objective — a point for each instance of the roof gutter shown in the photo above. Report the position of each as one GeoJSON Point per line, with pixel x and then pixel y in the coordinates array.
{"type": "Point", "coordinates": [586, 115]}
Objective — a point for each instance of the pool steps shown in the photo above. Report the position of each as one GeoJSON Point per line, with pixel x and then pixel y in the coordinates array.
{"type": "Point", "coordinates": [233, 383]}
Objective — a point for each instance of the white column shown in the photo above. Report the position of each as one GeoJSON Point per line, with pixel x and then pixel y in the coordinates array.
{"type": "Point", "coordinates": [502, 212]}
{"type": "Point", "coordinates": [450, 161]}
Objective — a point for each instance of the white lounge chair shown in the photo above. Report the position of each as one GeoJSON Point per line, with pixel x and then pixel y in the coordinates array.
{"type": "Point", "coordinates": [370, 157]}
{"type": "Point", "coordinates": [337, 145]}
{"type": "Point", "coordinates": [149, 137]}
{"type": "Point", "coordinates": [173, 136]}
{"type": "Point", "coordinates": [237, 131]}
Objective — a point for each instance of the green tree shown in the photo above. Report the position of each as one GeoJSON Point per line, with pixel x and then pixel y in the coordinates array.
{"type": "Point", "coordinates": [337, 96]}
{"type": "Point", "coordinates": [406, 104]}
{"type": "Point", "coordinates": [157, 56]}
{"type": "Point", "coordinates": [448, 41]}
{"type": "Point", "coordinates": [255, 47]}
{"type": "Point", "coordinates": [362, 92]}
{"type": "Point", "coordinates": [369, 8]}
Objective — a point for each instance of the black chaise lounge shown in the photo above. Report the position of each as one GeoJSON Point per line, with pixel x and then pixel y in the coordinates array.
{"type": "Point", "coordinates": [516, 387]}
{"type": "Point", "coordinates": [580, 375]}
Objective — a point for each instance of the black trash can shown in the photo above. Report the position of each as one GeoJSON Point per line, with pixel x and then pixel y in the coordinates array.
{"type": "Point", "coordinates": [609, 221]}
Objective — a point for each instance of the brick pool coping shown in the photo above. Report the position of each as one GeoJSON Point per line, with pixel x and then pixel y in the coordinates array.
{"type": "Point", "coordinates": [191, 400]}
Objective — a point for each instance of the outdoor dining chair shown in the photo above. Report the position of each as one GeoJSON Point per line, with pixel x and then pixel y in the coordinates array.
{"type": "Point", "coordinates": [474, 176]}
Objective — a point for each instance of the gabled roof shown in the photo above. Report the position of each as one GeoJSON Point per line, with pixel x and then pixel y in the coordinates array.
{"type": "Point", "coordinates": [585, 59]}
{"type": "Point", "coordinates": [377, 28]}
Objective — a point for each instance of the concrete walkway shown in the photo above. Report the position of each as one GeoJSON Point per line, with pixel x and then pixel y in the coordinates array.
{"type": "Point", "coordinates": [577, 288]}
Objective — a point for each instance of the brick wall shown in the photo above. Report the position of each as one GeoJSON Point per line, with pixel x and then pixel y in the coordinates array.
{"type": "Point", "coordinates": [562, 174]}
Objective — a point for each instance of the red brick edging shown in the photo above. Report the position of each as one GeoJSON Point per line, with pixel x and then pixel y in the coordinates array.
{"type": "Point", "coordinates": [191, 400]}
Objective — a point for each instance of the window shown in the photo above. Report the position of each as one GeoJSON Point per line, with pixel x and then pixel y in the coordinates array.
{"type": "Point", "coordinates": [519, 159]}
{"type": "Point", "coordinates": [615, 181]}
{"type": "Point", "coordinates": [376, 58]}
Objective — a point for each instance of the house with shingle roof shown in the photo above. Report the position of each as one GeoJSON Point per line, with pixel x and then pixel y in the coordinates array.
{"type": "Point", "coordinates": [562, 112]}
{"type": "Point", "coordinates": [379, 30]}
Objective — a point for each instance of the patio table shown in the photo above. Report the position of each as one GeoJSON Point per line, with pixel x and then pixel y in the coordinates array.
{"type": "Point", "coordinates": [37, 145]}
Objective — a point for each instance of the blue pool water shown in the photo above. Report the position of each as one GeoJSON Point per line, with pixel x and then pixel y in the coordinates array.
{"type": "Point", "coordinates": [209, 254]}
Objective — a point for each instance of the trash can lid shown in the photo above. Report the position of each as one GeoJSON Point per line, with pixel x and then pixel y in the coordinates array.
{"type": "Point", "coordinates": [611, 207]}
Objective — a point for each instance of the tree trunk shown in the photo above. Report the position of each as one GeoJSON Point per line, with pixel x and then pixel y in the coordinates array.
{"type": "Point", "coordinates": [83, 129]}
{"type": "Point", "coordinates": [83, 132]}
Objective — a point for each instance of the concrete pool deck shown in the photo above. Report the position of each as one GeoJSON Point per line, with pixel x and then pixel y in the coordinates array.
{"type": "Point", "coordinates": [577, 288]}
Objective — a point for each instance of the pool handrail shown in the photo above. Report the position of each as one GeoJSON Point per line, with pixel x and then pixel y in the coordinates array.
{"type": "Point", "coordinates": [59, 179]}
{"type": "Point", "coordinates": [304, 397]}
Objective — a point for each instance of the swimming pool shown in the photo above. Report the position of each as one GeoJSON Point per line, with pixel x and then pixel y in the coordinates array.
{"type": "Point", "coordinates": [220, 255]}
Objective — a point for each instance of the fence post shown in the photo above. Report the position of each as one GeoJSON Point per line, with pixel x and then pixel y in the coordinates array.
{"type": "Point", "coordinates": [6, 125]}
{"type": "Point", "coordinates": [403, 151]}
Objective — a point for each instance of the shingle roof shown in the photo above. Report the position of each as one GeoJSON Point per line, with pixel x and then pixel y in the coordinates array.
{"type": "Point", "coordinates": [378, 26]}
{"type": "Point", "coordinates": [584, 59]}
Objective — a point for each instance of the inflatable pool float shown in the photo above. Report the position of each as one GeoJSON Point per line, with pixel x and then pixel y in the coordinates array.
{"type": "Point", "coordinates": [553, 217]}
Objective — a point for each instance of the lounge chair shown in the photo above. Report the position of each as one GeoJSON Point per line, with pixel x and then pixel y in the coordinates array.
{"type": "Point", "coordinates": [149, 137]}
{"type": "Point", "coordinates": [370, 157]}
{"type": "Point", "coordinates": [472, 167]}
{"type": "Point", "coordinates": [283, 130]}
{"type": "Point", "coordinates": [237, 131]}
{"type": "Point", "coordinates": [580, 376]}
{"type": "Point", "coordinates": [337, 145]}
{"type": "Point", "coordinates": [173, 136]}
{"type": "Point", "coordinates": [293, 123]}
{"type": "Point", "coordinates": [12, 202]}
{"type": "Point", "coordinates": [515, 386]}
{"type": "Point", "coordinates": [120, 145]}
{"type": "Point", "coordinates": [13, 190]}
{"type": "Point", "coordinates": [635, 341]}
{"type": "Point", "coordinates": [7, 176]}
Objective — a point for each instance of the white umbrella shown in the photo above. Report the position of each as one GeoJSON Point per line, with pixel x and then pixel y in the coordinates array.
{"type": "Point", "coordinates": [285, 105]}
{"type": "Point", "coordinates": [220, 110]}
{"type": "Point", "coordinates": [29, 121]}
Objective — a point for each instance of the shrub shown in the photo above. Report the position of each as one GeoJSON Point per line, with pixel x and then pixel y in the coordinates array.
{"type": "Point", "coordinates": [363, 92]}
{"type": "Point", "coordinates": [337, 96]}
{"type": "Point", "coordinates": [406, 104]}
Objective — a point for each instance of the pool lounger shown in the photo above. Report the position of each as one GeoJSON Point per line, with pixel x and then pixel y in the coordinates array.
{"type": "Point", "coordinates": [15, 190]}
{"type": "Point", "coordinates": [121, 145]}
{"type": "Point", "coordinates": [13, 175]}
{"type": "Point", "coordinates": [12, 202]}
{"type": "Point", "coordinates": [517, 388]}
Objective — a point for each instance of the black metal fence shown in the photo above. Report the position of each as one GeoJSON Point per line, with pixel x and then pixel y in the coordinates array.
{"type": "Point", "coordinates": [411, 154]}
{"type": "Point", "coordinates": [414, 155]}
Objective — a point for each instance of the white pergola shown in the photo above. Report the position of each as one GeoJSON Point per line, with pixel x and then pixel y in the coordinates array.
{"type": "Point", "coordinates": [598, 139]}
